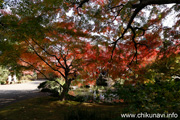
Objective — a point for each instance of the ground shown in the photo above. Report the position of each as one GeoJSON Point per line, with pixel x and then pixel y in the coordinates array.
{"type": "Point", "coordinates": [16, 92]}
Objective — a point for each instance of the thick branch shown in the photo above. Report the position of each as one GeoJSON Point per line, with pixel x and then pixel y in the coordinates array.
{"type": "Point", "coordinates": [138, 7]}
{"type": "Point", "coordinates": [63, 56]}
{"type": "Point", "coordinates": [159, 2]}
{"type": "Point", "coordinates": [128, 26]}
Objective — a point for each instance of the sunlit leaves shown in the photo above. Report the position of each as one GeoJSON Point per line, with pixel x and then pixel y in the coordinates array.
{"type": "Point", "coordinates": [68, 33]}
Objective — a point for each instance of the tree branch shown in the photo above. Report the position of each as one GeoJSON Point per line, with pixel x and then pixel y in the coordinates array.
{"type": "Point", "coordinates": [34, 67]}
{"type": "Point", "coordinates": [80, 4]}
{"type": "Point", "coordinates": [49, 53]}
{"type": "Point", "coordinates": [138, 7]}
{"type": "Point", "coordinates": [43, 59]}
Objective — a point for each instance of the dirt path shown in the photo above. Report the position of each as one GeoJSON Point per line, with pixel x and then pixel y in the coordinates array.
{"type": "Point", "coordinates": [16, 92]}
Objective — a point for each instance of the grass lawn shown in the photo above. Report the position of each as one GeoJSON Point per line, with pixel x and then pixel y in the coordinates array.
{"type": "Point", "coordinates": [50, 108]}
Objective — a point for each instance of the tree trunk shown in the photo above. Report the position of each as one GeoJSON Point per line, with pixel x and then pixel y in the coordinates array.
{"type": "Point", "coordinates": [65, 91]}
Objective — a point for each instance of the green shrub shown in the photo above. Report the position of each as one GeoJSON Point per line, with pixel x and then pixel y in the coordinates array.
{"type": "Point", "coordinates": [27, 77]}
{"type": "Point", "coordinates": [153, 98]}
{"type": "Point", "coordinates": [52, 86]}
{"type": "Point", "coordinates": [3, 75]}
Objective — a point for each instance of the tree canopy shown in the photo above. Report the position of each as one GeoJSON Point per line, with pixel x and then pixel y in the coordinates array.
{"type": "Point", "coordinates": [80, 38]}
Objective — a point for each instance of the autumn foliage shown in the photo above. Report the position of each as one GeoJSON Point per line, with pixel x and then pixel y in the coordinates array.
{"type": "Point", "coordinates": [80, 39]}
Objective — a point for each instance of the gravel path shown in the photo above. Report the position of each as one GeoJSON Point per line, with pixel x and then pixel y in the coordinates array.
{"type": "Point", "coordinates": [16, 92]}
